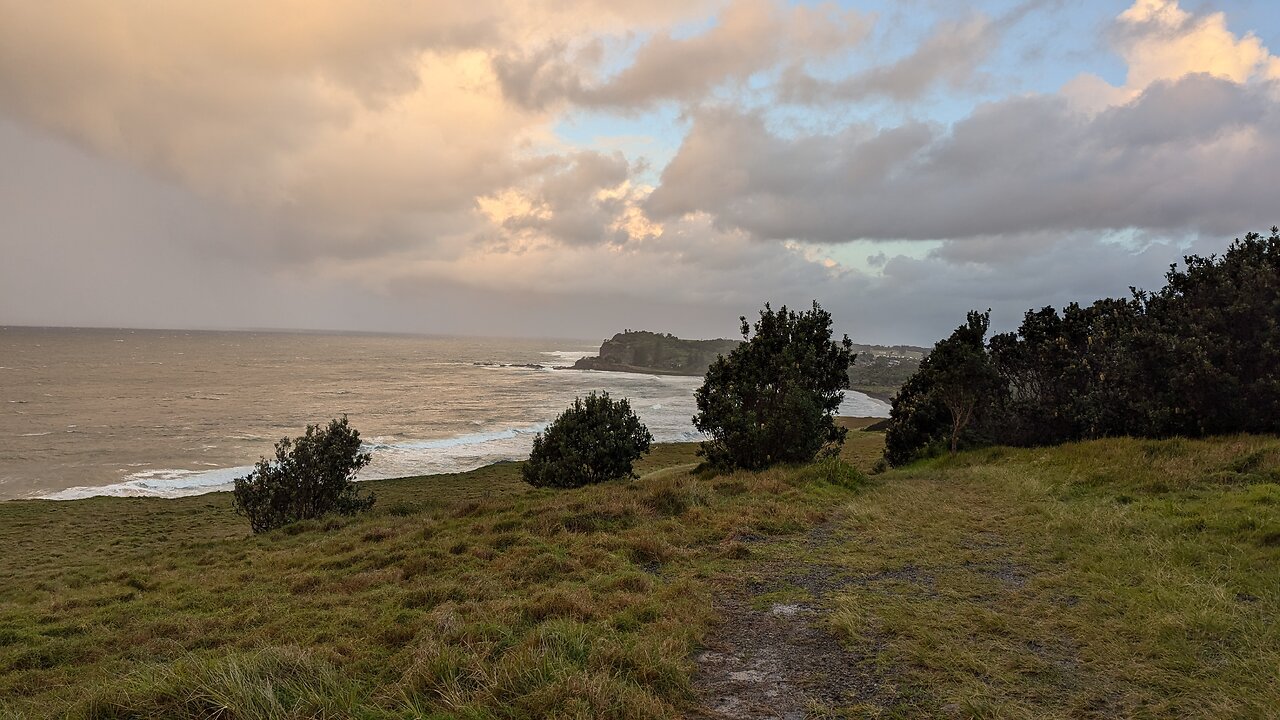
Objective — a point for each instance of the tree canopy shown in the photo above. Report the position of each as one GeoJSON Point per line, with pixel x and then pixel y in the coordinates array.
{"type": "Point", "coordinates": [773, 398]}
{"type": "Point", "coordinates": [1199, 356]}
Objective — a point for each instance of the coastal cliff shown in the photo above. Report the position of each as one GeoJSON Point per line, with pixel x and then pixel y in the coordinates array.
{"type": "Point", "coordinates": [650, 352]}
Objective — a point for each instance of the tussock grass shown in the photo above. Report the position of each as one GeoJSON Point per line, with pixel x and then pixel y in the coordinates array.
{"type": "Point", "coordinates": [466, 595]}
{"type": "Point", "coordinates": [1114, 578]}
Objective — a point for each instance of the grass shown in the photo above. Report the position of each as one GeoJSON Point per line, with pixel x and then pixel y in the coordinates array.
{"type": "Point", "coordinates": [1118, 578]}
{"type": "Point", "coordinates": [467, 595]}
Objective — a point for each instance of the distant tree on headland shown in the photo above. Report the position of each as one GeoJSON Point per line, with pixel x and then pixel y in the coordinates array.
{"type": "Point", "coordinates": [311, 476]}
{"type": "Point", "coordinates": [773, 398]}
{"type": "Point", "coordinates": [595, 440]}
{"type": "Point", "coordinates": [1200, 356]}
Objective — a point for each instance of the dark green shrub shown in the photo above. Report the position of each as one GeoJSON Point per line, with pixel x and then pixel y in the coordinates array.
{"type": "Point", "coordinates": [773, 399]}
{"type": "Point", "coordinates": [596, 440]}
{"type": "Point", "coordinates": [311, 476]}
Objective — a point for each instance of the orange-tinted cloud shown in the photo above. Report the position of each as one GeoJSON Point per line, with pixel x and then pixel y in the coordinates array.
{"type": "Point", "coordinates": [1159, 40]}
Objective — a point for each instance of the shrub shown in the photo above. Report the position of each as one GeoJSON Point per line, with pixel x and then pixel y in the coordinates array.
{"type": "Point", "coordinates": [311, 476]}
{"type": "Point", "coordinates": [773, 399]}
{"type": "Point", "coordinates": [596, 440]}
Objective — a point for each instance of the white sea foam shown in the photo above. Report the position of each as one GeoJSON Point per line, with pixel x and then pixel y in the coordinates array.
{"type": "Point", "coordinates": [569, 356]}
{"type": "Point", "coordinates": [391, 458]}
{"type": "Point", "coordinates": [159, 483]}
{"type": "Point", "coordinates": [857, 404]}
{"type": "Point", "coordinates": [667, 411]}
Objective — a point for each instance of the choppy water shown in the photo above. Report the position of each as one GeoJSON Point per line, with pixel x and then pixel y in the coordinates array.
{"type": "Point", "coordinates": [170, 413]}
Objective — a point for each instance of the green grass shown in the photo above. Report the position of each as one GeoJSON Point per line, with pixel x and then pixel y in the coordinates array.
{"type": "Point", "coordinates": [1119, 578]}
{"type": "Point", "coordinates": [465, 595]}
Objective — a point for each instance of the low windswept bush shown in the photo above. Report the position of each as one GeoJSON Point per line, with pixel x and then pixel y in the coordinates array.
{"type": "Point", "coordinates": [596, 440]}
{"type": "Point", "coordinates": [311, 476]}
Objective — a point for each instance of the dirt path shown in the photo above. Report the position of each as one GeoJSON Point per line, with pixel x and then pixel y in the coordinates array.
{"type": "Point", "coordinates": [778, 660]}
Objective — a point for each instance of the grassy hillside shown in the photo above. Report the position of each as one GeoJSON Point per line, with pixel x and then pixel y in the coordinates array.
{"type": "Point", "coordinates": [1107, 579]}
{"type": "Point", "coordinates": [1115, 578]}
{"type": "Point", "coordinates": [461, 595]}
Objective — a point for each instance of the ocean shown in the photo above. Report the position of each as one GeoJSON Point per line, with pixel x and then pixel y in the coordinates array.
{"type": "Point", "coordinates": [87, 412]}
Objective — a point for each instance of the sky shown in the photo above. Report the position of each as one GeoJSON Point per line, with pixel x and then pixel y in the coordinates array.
{"type": "Point", "coordinates": [548, 168]}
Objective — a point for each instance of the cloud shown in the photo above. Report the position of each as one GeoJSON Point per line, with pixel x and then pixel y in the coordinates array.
{"type": "Point", "coordinates": [580, 199]}
{"type": "Point", "coordinates": [748, 37]}
{"type": "Point", "coordinates": [1160, 41]}
{"type": "Point", "coordinates": [379, 162]}
{"type": "Point", "coordinates": [352, 127]}
{"type": "Point", "coordinates": [948, 57]}
{"type": "Point", "coordinates": [1190, 154]}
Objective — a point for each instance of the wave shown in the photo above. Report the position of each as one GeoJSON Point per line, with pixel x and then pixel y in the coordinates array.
{"type": "Point", "coordinates": [667, 416]}
{"type": "Point", "coordinates": [391, 458]}
{"type": "Point", "coordinates": [858, 404]}
{"type": "Point", "coordinates": [569, 356]}
{"type": "Point", "coordinates": [159, 483]}
{"type": "Point", "coordinates": [456, 441]}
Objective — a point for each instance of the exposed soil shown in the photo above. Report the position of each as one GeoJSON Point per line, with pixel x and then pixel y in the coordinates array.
{"type": "Point", "coordinates": [777, 663]}
{"type": "Point", "coordinates": [780, 661]}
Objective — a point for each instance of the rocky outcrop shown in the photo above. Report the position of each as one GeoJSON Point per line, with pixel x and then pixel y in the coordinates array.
{"type": "Point", "coordinates": [649, 352]}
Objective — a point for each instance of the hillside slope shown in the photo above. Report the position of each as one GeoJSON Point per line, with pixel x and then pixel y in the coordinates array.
{"type": "Point", "coordinates": [1118, 578]}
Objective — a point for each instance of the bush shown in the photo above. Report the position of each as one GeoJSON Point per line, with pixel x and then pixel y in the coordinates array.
{"type": "Point", "coordinates": [311, 476]}
{"type": "Point", "coordinates": [596, 440]}
{"type": "Point", "coordinates": [774, 398]}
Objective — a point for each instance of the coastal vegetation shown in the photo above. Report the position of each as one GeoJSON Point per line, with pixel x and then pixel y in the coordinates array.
{"type": "Point", "coordinates": [878, 371]}
{"type": "Point", "coordinates": [659, 353]}
{"type": "Point", "coordinates": [773, 399]}
{"type": "Point", "coordinates": [595, 440]}
{"type": "Point", "coordinates": [1117, 554]}
{"type": "Point", "coordinates": [1200, 356]}
{"type": "Point", "coordinates": [1110, 578]}
{"type": "Point", "coordinates": [309, 477]}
